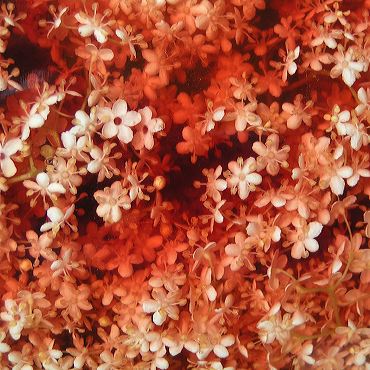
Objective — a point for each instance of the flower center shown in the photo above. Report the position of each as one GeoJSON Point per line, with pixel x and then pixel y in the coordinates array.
{"type": "Point", "coordinates": [117, 120]}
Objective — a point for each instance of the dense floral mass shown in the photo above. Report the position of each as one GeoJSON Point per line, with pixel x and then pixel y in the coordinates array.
{"type": "Point", "coordinates": [184, 184]}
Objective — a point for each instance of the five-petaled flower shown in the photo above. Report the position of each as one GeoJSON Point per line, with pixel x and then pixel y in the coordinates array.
{"type": "Point", "coordinates": [242, 177]}
{"type": "Point", "coordinates": [111, 200]}
{"type": "Point", "coordinates": [303, 237]}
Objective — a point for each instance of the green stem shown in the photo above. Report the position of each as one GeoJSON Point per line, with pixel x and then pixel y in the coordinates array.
{"type": "Point", "coordinates": [33, 171]}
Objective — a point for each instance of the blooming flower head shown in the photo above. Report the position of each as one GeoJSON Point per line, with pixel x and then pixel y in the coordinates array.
{"type": "Point", "coordinates": [166, 169]}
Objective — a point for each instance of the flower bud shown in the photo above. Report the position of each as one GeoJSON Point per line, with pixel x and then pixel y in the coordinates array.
{"type": "Point", "coordinates": [159, 182]}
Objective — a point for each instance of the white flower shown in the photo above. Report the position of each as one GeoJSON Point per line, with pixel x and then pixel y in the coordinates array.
{"type": "Point", "coordinates": [97, 163]}
{"type": "Point", "coordinates": [359, 170]}
{"type": "Point", "coordinates": [93, 25]}
{"type": "Point", "coordinates": [244, 115]}
{"type": "Point", "coordinates": [290, 66]}
{"type": "Point", "coordinates": [15, 316]}
{"type": "Point", "coordinates": [57, 19]}
{"type": "Point", "coordinates": [243, 178]}
{"type": "Point", "coordinates": [3, 346]}
{"type": "Point", "coordinates": [297, 112]}
{"type": "Point", "coordinates": [270, 156]}
{"type": "Point", "coordinates": [305, 354]}
{"type": "Point", "coordinates": [44, 187]}
{"type": "Point", "coordinates": [274, 327]}
{"type": "Point", "coordinates": [220, 349]}
{"type": "Point", "coordinates": [357, 132]}
{"type": "Point", "coordinates": [64, 264]}
{"type": "Point", "coordinates": [216, 215]}
{"type": "Point", "coordinates": [57, 218]}
{"type": "Point", "coordinates": [211, 117]}
{"type": "Point", "coordinates": [148, 127]}
{"type": "Point", "coordinates": [303, 238]}
{"type": "Point", "coordinates": [340, 119]}
{"type": "Point", "coordinates": [346, 66]}
{"type": "Point", "coordinates": [118, 121]}
{"type": "Point", "coordinates": [334, 176]}
{"type": "Point", "coordinates": [72, 144]}
{"type": "Point", "coordinates": [164, 304]}
{"type": "Point", "coordinates": [6, 151]}
{"type": "Point", "coordinates": [214, 185]}
{"type": "Point", "coordinates": [111, 200]}
{"type": "Point", "coordinates": [83, 123]}
{"type": "Point", "coordinates": [33, 120]}
{"type": "Point", "coordinates": [364, 98]}
{"type": "Point", "coordinates": [326, 36]}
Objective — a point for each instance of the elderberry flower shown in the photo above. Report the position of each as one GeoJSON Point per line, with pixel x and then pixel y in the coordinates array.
{"type": "Point", "coordinates": [43, 187]}
{"type": "Point", "coordinates": [111, 200]}
{"type": "Point", "coordinates": [146, 129]}
{"type": "Point", "coordinates": [164, 304]}
{"type": "Point", "coordinates": [7, 149]}
{"type": "Point", "coordinates": [303, 238]}
{"type": "Point", "coordinates": [290, 66]}
{"type": "Point", "coordinates": [94, 25]}
{"type": "Point", "coordinates": [347, 66]}
{"type": "Point", "coordinates": [57, 218]}
{"type": "Point", "coordinates": [118, 121]}
{"type": "Point", "coordinates": [270, 156]}
{"type": "Point", "coordinates": [243, 179]}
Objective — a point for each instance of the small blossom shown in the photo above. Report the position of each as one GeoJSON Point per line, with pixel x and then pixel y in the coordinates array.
{"type": "Point", "coordinates": [111, 200]}
{"type": "Point", "coordinates": [94, 25]}
{"type": "Point", "coordinates": [364, 102]}
{"type": "Point", "coordinates": [57, 218]}
{"type": "Point", "coordinates": [290, 66]}
{"type": "Point", "coordinates": [244, 115]}
{"type": "Point", "coordinates": [303, 238]}
{"type": "Point", "coordinates": [334, 177]}
{"type": "Point", "coordinates": [241, 252]}
{"type": "Point", "coordinates": [147, 128]}
{"type": "Point", "coordinates": [15, 316]}
{"type": "Point", "coordinates": [6, 151]}
{"type": "Point", "coordinates": [3, 346]}
{"type": "Point", "coordinates": [243, 178]}
{"type": "Point", "coordinates": [211, 117]}
{"type": "Point", "coordinates": [326, 36]}
{"type": "Point", "coordinates": [346, 66]}
{"type": "Point", "coordinates": [214, 185]}
{"type": "Point", "coordinates": [95, 58]}
{"type": "Point", "coordinates": [163, 304]}
{"type": "Point", "coordinates": [118, 121]}
{"type": "Point", "coordinates": [103, 164]}
{"type": "Point", "coordinates": [43, 187]}
{"type": "Point", "coordinates": [74, 300]}
{"type": "Point", "coordinates": [297, 113]}
{"type": "Point", "coordinates": [270, 156]}
{"type": "Point", "coordinates": [83, 123]}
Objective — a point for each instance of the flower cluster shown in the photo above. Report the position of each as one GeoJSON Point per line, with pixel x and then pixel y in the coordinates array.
{"type": "Point", "coordinates": [184, 184]}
